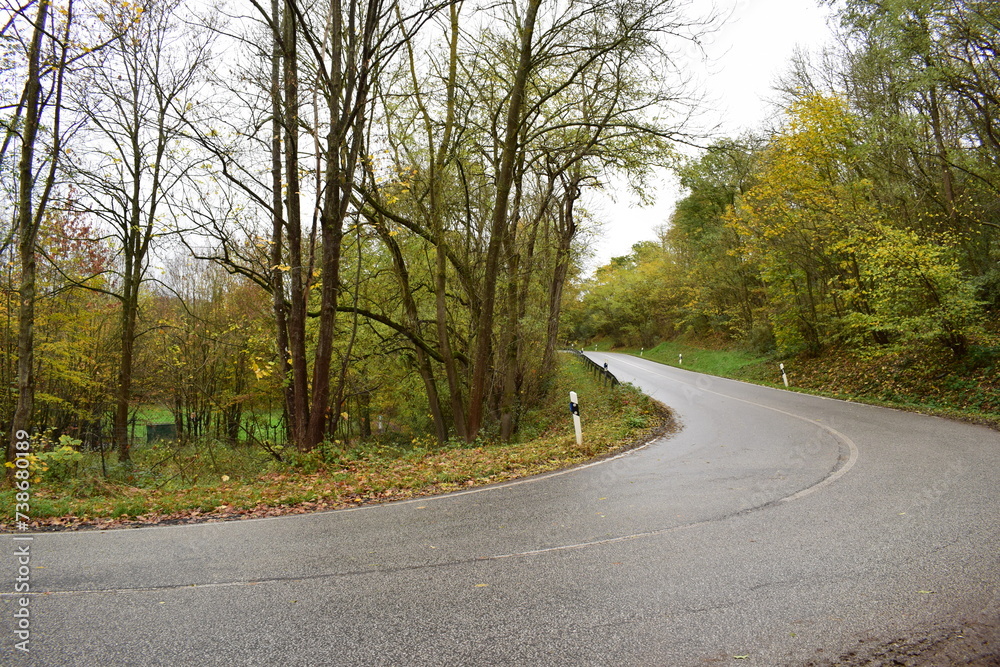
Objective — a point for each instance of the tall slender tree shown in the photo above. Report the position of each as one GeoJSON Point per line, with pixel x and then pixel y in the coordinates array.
{"type": "Point", "coordinates": [137, 99]}
{"type": "Point", "coordinates": [47, 54]}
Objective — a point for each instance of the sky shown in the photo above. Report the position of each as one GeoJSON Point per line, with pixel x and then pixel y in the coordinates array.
{"type": "Point", "coordinates": [746, 55]}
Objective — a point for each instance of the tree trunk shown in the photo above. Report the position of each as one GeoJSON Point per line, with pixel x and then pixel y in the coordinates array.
{"type": "Point", "coordinates": [947, 179]}
{"type": "Point", "coordinates": [413, 322]}
{"type": "Point", "coordinates": [347, 101]}
{"type": "Point", "coordinates": [299, 417]}
{"type": "Point", "coordinates": [28, 224]}
{"type": "Point", "coordinates": [123, 397]}
{"type": "Point", "coordinates": [564, 234]}
{"type": "Point", "coordinates": [279, 304]}
{"type": "Point", "coordinates": [483, 357]}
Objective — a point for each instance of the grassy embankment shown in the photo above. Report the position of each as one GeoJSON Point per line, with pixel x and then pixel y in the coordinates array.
{"type": "Point", "coordinates": [210, 481]}
{"type": "Point", "coordinates": [925, 379]}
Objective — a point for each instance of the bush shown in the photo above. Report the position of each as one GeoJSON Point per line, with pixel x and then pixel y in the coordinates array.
{"type": "Point", "coordinates": [63, 463]}
{"type": "Point", "coordinates": [57, 464]}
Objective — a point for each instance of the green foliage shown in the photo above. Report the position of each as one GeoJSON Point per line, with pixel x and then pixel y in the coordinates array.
{"type": "Point", "coordinates": [626, 301]}
{"type": "Point", "coordinates": [793, 250]}
{"type": "Point", "coordinates": [867, 221]}
{"type": "Point", "coordinates": [918, 292]}
{"type": "Point", "coordinates": [62, 463]}
{"type": "Point", "coordinates": [50, 462]}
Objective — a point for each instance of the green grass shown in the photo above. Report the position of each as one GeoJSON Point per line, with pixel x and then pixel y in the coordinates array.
{"type": "Point", "coordinates": [208, 479]}
{"type": "Point", "coordinates": [921, 379]}
{"type": "Point", "coordinates": [725, 363]}
{"type": "Point", "coordinates": [265, 422]}
{"type": "Point", "coordinates": [154, 414]}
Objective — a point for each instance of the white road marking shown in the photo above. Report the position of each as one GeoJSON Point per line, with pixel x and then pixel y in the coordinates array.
{"type": "Point", "coordinates": [836, 474]}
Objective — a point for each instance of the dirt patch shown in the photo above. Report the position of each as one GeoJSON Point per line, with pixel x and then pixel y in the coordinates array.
{"type": "Point", "coordinates": [967, 644]}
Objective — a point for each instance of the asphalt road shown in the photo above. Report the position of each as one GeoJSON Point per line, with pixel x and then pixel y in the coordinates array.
{"type": "Point", "coordinates": [773, 529]}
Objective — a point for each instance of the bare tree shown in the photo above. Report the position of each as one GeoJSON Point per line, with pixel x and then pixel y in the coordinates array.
{"type": "Point", "coordinates": [318, 124]}
{"type": "Point", "coordinates": [136, 100]}
{"type": "Point", "coordinates": [521, 107]}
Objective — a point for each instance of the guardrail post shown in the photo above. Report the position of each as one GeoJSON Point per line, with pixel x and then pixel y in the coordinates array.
{"type": "Point", "coordinates": [574, 408]}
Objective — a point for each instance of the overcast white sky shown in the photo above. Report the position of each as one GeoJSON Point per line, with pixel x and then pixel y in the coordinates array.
{"type": "Point", "coordinates": [751, 50]}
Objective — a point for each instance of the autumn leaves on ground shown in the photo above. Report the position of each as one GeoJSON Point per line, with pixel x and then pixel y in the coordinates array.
{"type": "Point", "coordinates": [201, 481]}
{"type": "Point", "coordinates": [204, 481]}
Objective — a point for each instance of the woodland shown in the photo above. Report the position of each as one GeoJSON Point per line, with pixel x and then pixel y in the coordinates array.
{"type": "Point", "coordinates": [864, 225]}
{"type": "Point", "coordinates": [295, 222]}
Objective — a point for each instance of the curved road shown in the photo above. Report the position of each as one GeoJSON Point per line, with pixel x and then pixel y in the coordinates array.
{"type": "Point", "coordinates": [776, 527]}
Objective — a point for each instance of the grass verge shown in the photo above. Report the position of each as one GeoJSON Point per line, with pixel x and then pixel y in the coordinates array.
{"type": "Point", "coordinates": [721, 362]}
{"type": "Point", "coordinates": [205, 482]}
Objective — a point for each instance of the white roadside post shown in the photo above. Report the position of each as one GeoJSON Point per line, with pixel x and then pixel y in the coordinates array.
{"type": "Point", "coordinates": [641, 350]}
{"type": "Point", "coordinates": [680, 359]}
{"type": "Point", "coordinates": [574, 408]}
{"type": "Point", "coordinates": [784, 378]}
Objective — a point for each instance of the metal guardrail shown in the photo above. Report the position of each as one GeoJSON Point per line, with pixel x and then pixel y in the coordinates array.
{"type": "Point", "coordinates": [598, 370]}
